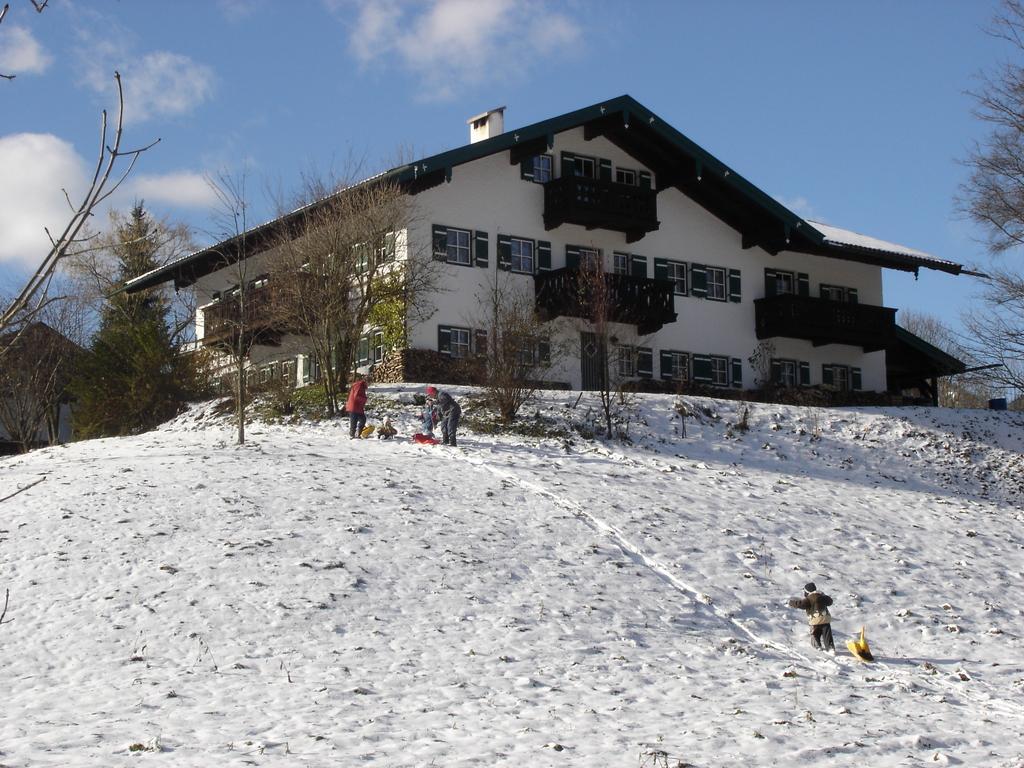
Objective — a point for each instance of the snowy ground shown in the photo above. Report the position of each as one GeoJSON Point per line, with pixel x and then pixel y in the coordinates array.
{"type": "Point", "coordinates": [307, 600]}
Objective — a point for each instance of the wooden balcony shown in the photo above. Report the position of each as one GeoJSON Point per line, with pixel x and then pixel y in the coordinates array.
{"type": "Point", "coordinates": [822, 321]}
{"type": "Point", "coordinates": [640, 301]}
{"type": "Point", "coordinates": [223, 321]}
{"type": "Point", "coordinates": [597, 204]}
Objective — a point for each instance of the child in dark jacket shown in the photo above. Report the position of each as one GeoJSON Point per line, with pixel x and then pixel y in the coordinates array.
{"type": "Point", "coordinates": [450, 412]}
{"type": "Point", "coordinates": [816, 605]}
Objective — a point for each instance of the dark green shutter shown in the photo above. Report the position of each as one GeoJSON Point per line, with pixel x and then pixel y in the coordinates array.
{"type": "Point", "coordinates": [505, 252]}
{"type": "Point", "coordinates": [851, 295]}
{"type": "Point", "coordinates": [440, 238]}
{"type": "Point", "coordinates": [604, 170]}
{"type": "Point", "coordinates": [526, 169]}
{"type": "Point", "coordinates": [734, 285]}
{"type": "Point", "coordinates": [480, 341]}
{"type": "Point", "coordinates": [698, 281]}
{"type": "Point", "coordinates": [543, 255]}
{"type": "Point", "coordinates": [805, 374]}
{"type": "Point", "coordinates": [855, 379]}
{"type": "Point", "coordinates": [776, 373]}
{"type": "Point", "coordinates": [638, 266]}
{"type": "Point", "coordinates": [660, 269]}
{"type": "Point", "coordinates": [803, 284]}
{"type": "Point", "coordinates": [737, 372]}
{"type": "Point", "coordinates": [645, 179]}
{"type": "Point", "coordinates": [828, 378]}
{"type": "Point", "coordinates": [444, 339]}
{"type": "Point", "coordinates": [544, 352]}
{"type": "Point", "coordinates": [363, 354]}
{"type": "Point", "coordinates": [771, 286]}
{"type": "Point", "coordinates": [702, 369]}
{"type": "Point", "coordinates": [667, 366]}
{"type": "Point", "coordinates": [823, 291]}
{"type": "Point", "coordinates": [568, 164]}
{"type": "Point", "coordinates": [645, 362]}
{"type": "Point", "coordinates": [481, 249]}
{"type": "Point", "coordinates": [572, 256]}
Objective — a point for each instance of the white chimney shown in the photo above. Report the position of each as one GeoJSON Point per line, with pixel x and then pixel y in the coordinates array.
{"type": "Point", "coordinates": [486, 124]}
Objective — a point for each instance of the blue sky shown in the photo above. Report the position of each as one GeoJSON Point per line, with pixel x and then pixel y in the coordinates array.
{"type": "Point", "coordinates": [851, 113]}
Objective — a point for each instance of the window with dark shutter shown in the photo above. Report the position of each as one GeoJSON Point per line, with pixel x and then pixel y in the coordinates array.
{"type": "Point", "coordinates": [543, 255]}
{"type": "Point", "coordinates": [481, 248]}
{"type": "Point", "coordinates": [851, 295]}
{"type": "Point", "coordinates": [737, 372]}
{"type": "Point", "coordinates": [856, 381]}
{"type": "Point", "coordinates": [568, 165]}
{"type": "Point", "coordinates": [645, 179]}
{"type": "Point", "coordinates": [803, 284]}
{"type": "Point", "coordinates": [572, 256]}
{"type": "Point", "coordinates": [638, 266]}
{"type": "Point", "coordinates": [604, 170]}
{"type": "Point", "coordinates": [827, 376]}
{"type": "Point", "coordinates": [702, 369]}
{"type": "Point", "coordinates": [544, 352]}
{"type": "Point", "coordinates": [805, 374]}
{"type": "Point", "coordinates": [645, 362]}
{"type": "Point", "coordinates": [735, 293]}
{"type": "Point", "coordinates": [444, 339]}
{"type": "Point", "coordinates": [698, 283]}
{"type": "Point", "coordinates": [480, 338]}
{"type": "Point", "coordinates": [440, 241]}
{"type": "Point", "coordinates": [505, 252]}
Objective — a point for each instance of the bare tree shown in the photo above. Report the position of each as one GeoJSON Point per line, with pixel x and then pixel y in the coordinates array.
{"type": "Point", "coordinates": [36, 372]}
{"type": "Point", "coordinates": [993, 197]}
{"type": "Point", "coordinates": [347, 263]}
{"type": "Point", "coordinates": [39, 5]}
{"type": "Point", "coordinates": [113, 165]}
{"type": "Point", "coordinates": [518, 347]}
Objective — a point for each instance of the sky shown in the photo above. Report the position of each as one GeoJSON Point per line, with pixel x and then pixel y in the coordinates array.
{"type": "Point", "coordinates": [854, 114]}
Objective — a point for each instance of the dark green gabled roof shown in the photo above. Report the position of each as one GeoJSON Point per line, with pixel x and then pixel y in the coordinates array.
{"type": "Point", "coordinates": [676, 160]}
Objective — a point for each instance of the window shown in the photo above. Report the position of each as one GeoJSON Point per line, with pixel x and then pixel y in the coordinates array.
{"type": "Point", "coordinates": [787, 373]}
{"type": "Point", "coordinates": [720, 371]}
{"type": "Point", "coordinates": [459, 344]}
{"type": "Point", "coordinates": [676, 272]}
{"type": "Point", "coordinates": [377, 347]}
{"type": "Point", "coordinates": [716, 283]}
{"type": "Point", "coordinates": [626, 361]}
{"type": "Point", "coordinates": [784, 283]}
{"type": "Point", "coordinates": [585, 167]}
{"type": "Point", "coordinates": [288, 371]}
{"type": "Point", "coordinates": [621, 265]}
{"type": "Point", "coordinates": [522, 255]}
{"type": "Point", "coordinates": [838, 293]}
{"type": "Point", "coordinates": [680, 366]}
{"type": "Point", "coordinates": [589, 258]}
{"type": "Point", "coordinates": [458, 246]}
{"type": "Point", "coordinates": [625, 176]}
{"type": "Point", "coordinates": [841, 377]}
{"type": "Point", "coordinates": [542, 168]}
{"type": "Point", "coordinates": [386, 248]}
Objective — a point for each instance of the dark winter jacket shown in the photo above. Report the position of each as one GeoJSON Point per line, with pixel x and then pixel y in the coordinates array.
{"type": "Point", "coordinates": [447, 406]}
{"type": "Point", "coordinates": [816, 604]}
{"type": "Point", "coordinates": [356, 402]}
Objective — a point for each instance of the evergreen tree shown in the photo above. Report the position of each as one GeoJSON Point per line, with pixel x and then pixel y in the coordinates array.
{"type": "Point", "coordinates": [133, 376]}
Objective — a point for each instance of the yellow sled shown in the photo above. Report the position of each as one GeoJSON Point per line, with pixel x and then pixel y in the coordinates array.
{"type": "Point", "coordinates": [859, 647]}
{"type": "Point", "coordinates": [367, 431]}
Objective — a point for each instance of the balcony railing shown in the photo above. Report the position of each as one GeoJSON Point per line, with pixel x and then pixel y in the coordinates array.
{"type": "Point", "coordinates": [640, 301]}
{"type": "Point", "coordinates": [822, 321]}
{"type": "Point", "coordinates": [222, 322]}
{"type": "Point", "coordinates": [597, 204]}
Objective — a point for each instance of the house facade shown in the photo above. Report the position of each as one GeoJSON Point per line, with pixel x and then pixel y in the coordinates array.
{"type": "Point", "coordinates": [713, 282]}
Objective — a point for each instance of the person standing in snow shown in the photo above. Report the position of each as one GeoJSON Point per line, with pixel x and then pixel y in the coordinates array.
{"type": "Point", "coordinates": [450, 412]}
{"type": "Point", "coordinates": [816, 605]}
{"type": "Point", "coordinates": [429, 412]}
{"type": "Point", "coordinates": [356, 407]}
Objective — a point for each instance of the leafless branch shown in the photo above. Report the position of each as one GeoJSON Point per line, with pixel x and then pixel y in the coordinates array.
{"type": "Point", "coordinates": [7, 597]}
{"type": "Point", "coordinates": [24, 488]}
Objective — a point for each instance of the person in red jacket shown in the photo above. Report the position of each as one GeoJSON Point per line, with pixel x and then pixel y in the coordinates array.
{"type": "Point", "coordinates": [356, 407]}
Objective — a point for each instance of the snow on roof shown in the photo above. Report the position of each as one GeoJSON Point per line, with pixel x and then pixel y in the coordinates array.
{"type": "Point", "coordinates": [838, 236]}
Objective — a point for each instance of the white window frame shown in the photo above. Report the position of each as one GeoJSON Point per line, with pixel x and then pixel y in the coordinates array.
{"type": "Point", "coordinates": [717, 289]}
{"type": "Point", "coordinates": [387, 251]}
{"type": "Point", "coordinates": [454, 248]}
{"type": "Point", "coordinates": [626, 361]}
{"type": "Point", "coordinates": [458, 348]}
{"type": "Point", "coordinates": [543, 168]}
{"type": "Point", "coordinates": [626, 176]}
{"type": "Point", "coordinates": [377, 346]}
{"type": "Point", "coordinates": [621, 263]}
{"type": "Point", "coordinates": [677, 272]}
{"type": "Point", "coordinates": [680, 366]}
{"type": "Point", "coordinates": [588, 254]}
{"type": "Point", "coordinates": [785, 284]}
{"type": "Point", "coordinates": [842, 381]}
{"type": "Point", "coordinates": [836, 292]}
{"type": "Point", "coordinates": [581, 163]}
{"type": "Point", "coordinates": [789, 373]}
{"type": "Point", "coordinates": [521, 261]}
{"type": "Point", "coordinates": [719, 371]}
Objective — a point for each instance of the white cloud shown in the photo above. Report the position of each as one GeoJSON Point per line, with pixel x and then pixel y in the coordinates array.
{"type": "Point", "coordinates": [36, 167]}
{"type": "Point", "coordinates": [158, 84]}
{"type": "Point", "coordinates": [450, 44]}
{"type": "Point", "coordinates": [21, 53]}
{"type": "Point", "coordinates": [181, 189]}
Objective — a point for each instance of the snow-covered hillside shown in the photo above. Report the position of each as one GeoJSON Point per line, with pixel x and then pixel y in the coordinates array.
{"type": "Point", "coordinates": [307, 600]}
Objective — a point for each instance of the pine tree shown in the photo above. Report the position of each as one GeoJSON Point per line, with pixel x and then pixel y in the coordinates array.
{"type": "Point", "coordinates": [133, 377]}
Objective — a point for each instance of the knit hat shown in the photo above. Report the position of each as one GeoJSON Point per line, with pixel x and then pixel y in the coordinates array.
{"type": "Point", "coordinates": [431, 391]}
{"type": "Point", "coordinates": [809, 587]}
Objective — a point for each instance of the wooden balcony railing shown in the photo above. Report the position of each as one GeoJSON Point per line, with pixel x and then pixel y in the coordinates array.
{"type": "Point", "coordinates": [222, 322]}
{"type": "Point", "coordinates": [822, 321]}
{"type": "Point", "coordinates": [597, 204]}
{"type": "Point", "coordinates": [640, 301]}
